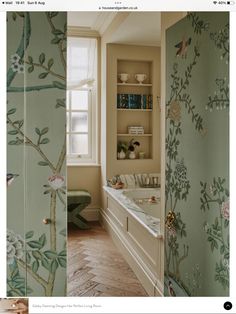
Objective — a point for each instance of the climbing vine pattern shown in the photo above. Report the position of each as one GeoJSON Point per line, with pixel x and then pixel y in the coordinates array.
{"type": "Point", "coordinates": [189, 115]}
{"type": "Point", "coordinates": [198, 24]}
{"type": "Point", "coordinates": [221, 98]}
{"type": "Point", "coordinates": [216, 196]}
{"type": "Point", "coordinates": [221, 41]}
{"type": "Point", "coordinates": [40, 256]}
{"type": "Point", "coordinates": [177, 182]}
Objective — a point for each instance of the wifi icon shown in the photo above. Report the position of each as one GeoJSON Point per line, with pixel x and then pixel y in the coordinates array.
{"type": "Point", "coordinates": [215, 2]}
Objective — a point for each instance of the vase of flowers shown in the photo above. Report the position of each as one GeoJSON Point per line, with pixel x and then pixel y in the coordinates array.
{"type": "Point", "coordinates": [122, 148]}
{"type": "Point", "coordinates": [131, 148]}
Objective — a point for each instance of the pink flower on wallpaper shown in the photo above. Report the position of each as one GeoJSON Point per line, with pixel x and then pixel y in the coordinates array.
{"type": "Point", "coordinates": [56, 181]}
{"type": "Point", "coordinates": [225, 210]}
{"type": "Point", "coordinates": [171, 232]}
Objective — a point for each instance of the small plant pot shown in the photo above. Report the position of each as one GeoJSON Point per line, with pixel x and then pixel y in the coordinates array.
{"type": "Point", "coordinates": [141, 155]}
{"type": "Point", "coordinates": [121, 155]}
{"type": "Point", "coordinates": [132, 155]}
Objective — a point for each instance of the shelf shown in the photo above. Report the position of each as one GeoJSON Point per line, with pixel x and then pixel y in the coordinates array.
{"type": "Point", "coordinates": [138, 108]}
{"type": "Point", "coordinates": [140, 159]}
{"type": "Point", "coordinates": [134, 135]}
{"type": "Point", "coordinates": [134, 84]}
{"type": "Point", "coordinates": [124, 109]}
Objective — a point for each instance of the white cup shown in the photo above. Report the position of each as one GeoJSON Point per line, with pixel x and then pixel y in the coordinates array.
{"type": "Point", "coordinates": [123, 77]}
{"type": "Point", "coordinates": [140, 77]}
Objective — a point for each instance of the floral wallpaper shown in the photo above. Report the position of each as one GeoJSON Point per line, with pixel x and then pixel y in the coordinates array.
{"type": "Point", "coordinates": [36, 150]}
{"type": "Point", "coordinates": [197, 156]}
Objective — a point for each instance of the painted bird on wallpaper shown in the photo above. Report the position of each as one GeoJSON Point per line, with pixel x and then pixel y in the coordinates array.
{"type": "Point", "coordinates": [171, 290]}
{"type": "Point", "coordinates": [183, 47]}
{"type": "Point", "coordinates": [11, 177]}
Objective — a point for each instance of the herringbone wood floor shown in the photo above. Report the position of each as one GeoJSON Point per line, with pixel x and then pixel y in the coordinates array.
{"type": "Point", "coordinates": [95, 266]}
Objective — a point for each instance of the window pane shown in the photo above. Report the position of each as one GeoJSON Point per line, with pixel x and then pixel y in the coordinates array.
{"type": "Point", "coordinates": [79, 144]}
{"type": "Point", "coordinates": [82, 60]}
{"type": "Point", "coordinates": [68, 144]}
{"type": "Point", "coordinates": [79, 121]}
{"type": "Point", "coordinates": [79, 100]}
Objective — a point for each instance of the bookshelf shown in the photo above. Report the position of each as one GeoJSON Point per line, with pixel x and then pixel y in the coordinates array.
{"type": "Point", "coordinates": [134, 105]}
{"type": "Point", "coordinates": [132, 60]}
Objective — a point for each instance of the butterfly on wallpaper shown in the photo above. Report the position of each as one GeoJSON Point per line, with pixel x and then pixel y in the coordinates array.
{"type": "Point", "coordinates": [182, 47]}
{"type": "Point", "coordinates": [11, 177]}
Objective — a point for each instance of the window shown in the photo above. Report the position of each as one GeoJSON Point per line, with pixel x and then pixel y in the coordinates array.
{"type": "Point", "coordinates": [81, 100]}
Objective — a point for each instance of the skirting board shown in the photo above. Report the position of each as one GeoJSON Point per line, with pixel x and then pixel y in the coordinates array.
{"type": "Point", "coordinates": [90, 214]}
{"type": "Point", "coordinates": [150, 285]}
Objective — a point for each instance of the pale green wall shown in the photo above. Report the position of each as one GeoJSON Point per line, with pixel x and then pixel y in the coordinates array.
{"type": "Point", "coordinates": [204, 150]}
{"type": "Point", "coordinates": [27, 204]}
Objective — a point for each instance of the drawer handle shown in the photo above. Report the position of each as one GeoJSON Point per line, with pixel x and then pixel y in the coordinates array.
{"type": "Point", "coordinates": [46, 221]}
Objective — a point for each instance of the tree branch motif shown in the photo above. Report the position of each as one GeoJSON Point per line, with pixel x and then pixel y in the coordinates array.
{"type": "Point", "coordinates": [178, 86]}
{"type": "Point", "coordinates": [218, 195]}
{"type": "Point", "coordinates": [35, 254]}
{"type": "Point", "coordinates": [24, 43]}
{"type": "Point", "coordinates": [46, 68]}
{"type": "Point", "coordinates": [49, 284]}
{"type": "Point", "coordinates": [32, 273]}
{"type": "Point", "coordinates": [221, 41]}
{"type": "Point", "coordinates": [177, 183]}
{"type": "Point", "coordinates": [221, 98]}
{"type": "Point", "coordinates": [26, 140]}
{"type": "Point", "coordinates": [198, 25]}
{"type": "Point", "coordinates": [38, 88]}
{"type": "Point", "coordinates": [174, 116]}
{"type": "Point", "coordinates": [59, 37]}
{"type": "Point", "coordinates": [62, 157]}
{"type": "Point", "coordinates": [180, 260]}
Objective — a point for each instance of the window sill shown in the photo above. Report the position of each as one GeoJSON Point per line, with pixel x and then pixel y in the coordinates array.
{"type": "Point", "coordinates": [83, 165]}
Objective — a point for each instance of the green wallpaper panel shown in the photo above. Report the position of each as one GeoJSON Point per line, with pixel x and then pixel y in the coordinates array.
{"type": "Point", "coordinates": [197, 156]}
{"type": "Point", "coordinates": [36, 150]}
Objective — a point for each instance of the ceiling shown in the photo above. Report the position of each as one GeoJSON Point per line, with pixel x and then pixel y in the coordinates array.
{"type": "Point", "coordinates": [96, 21]}
{"type": "Point", "coordinates": [83, 19]}
{"type": "Point", "coordinates": [138, 28]}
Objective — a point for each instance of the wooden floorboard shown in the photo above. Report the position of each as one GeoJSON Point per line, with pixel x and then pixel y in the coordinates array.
{"type": "Point", "coordinates": [96, 267]}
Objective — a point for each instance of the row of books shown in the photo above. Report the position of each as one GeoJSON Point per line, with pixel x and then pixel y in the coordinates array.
{"type": "Point", "coordinates": [134, 101]}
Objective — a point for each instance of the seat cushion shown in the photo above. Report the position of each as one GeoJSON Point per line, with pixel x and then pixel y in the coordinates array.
{"type": "Point", "coordinates": [78, 197]}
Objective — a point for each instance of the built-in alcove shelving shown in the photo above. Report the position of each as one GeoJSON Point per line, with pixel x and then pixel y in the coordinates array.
{"type": "Point", "coordinates": [140, 110]}
{"type": "Point", "coordinates": [140, 97]}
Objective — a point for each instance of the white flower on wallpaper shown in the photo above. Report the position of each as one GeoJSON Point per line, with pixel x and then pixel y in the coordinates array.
{"type": "Point", "coordinates": [15, 58]}
{"type": "Point", "coordinates": [40, 255]}
{"type": "Point", "coordinates": [56, 181]}
{"type": "Point", "coordinates": [15, 247]}
{"type": "Point", "coordinates": [214, 196]}
{"type": "Point", "coordinates": [16, 66]}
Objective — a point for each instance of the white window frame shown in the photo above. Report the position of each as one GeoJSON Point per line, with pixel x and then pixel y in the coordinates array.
{"type": "Point", "coordinates": [92, 156]}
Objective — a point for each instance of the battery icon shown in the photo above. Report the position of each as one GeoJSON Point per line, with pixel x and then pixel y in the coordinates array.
{"type": "Point", "coordinates": [230, 2]}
